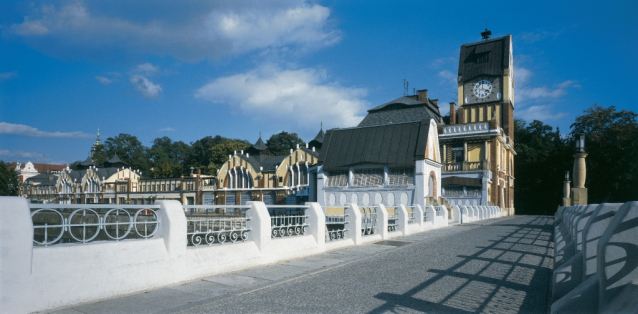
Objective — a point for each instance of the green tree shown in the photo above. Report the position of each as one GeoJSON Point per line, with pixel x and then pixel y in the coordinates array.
{"type": "Point", "coordinates": [542, 157]}
{"type": "Point", "coordinates": [209, 153]}
{"type": "Point", "coordinates": [281, 143]}
{"type": "Point", "coordinates": [100, 155]}
{"type": "Point", "coordinates": [9, 181]}
{"type": "Point", "coordinates": [611, 141]}
{"type": "Point", "coordinates": [130, 150]}
{"type": "Point", "coordinates": [167, 157]}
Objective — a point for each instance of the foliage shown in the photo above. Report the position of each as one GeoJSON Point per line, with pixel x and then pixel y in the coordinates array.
{"type": "Point", "coordinates": [281, 143]}
{"type": "Point", "coordinates": [209, 153]}
{"type": "Point", "coordinates": [611, 141]}
{"type": "Point", "coordinates": [130, 150]}
{"type": "Point", "coordinates": [167, 157]}
{"type": "Point", "coordinates": [100, 156]}
{"type": "Point", "coordinates": [542, 157]}
{"type": "Point", "coordinates": [9, 180]}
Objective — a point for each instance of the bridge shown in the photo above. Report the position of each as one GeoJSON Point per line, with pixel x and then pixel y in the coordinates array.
{"type": "Point", "coordinates": [257, 258]}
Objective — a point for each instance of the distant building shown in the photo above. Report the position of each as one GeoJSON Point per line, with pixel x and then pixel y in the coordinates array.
{"type": "Point", "coordinates": [30, 169]}
{"type": "Point", "coordinates": [256, 174]}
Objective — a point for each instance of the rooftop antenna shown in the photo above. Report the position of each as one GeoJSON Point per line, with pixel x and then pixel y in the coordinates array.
{"type": "Point", "coordinates": [413, 90]}
{"type": "Point", "coordinates": [321, 125]}
{"type": "Point", "coordinates": [406, 85]}
{"type": "Point", "coordinates": [486, 34]}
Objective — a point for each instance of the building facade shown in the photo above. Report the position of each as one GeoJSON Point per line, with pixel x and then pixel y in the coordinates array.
{"type": "Point", "coordinates": [392, 157]}
{"type": "Point", "coordinates": [477, 144]}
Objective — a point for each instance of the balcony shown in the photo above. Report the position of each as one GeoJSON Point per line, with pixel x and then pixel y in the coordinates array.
{"type": "Point", "coordinates": [465, 166]}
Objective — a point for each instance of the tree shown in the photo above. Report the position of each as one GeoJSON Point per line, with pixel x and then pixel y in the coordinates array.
{"type": "Point", "coordinates": [542, 157]}
{"type": "Point", "coordinates": [130, 150]}
{"type": "Point", "coordinates": [611, 141]}
{"type": "Point", "coordinates": [209, 153]}
{"type": "Point", "coordinates": [167, 157]}
{"type": "Point", "coordinates": [9, 181]}
{"type": "Point", "coordinates": [281, 143]}
{"type": "Point", "coordinates": [100, 156]}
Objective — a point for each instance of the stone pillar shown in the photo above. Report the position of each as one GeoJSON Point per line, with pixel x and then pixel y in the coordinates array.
{"type": "Point", "coordinates": [579, 192]}
{"type": "Point", "coordinates": [566, 190]}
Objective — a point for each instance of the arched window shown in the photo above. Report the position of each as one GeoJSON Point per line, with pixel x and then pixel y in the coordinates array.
{"type": "Point", "coordinates": [239, 178]}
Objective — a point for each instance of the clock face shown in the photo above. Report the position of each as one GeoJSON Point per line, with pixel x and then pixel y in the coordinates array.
{"type": "Point", "coordinates": [482, 88]}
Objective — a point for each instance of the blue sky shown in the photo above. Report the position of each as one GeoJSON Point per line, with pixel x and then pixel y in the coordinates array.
{"type": "Point", "coordinates": [237, 68]}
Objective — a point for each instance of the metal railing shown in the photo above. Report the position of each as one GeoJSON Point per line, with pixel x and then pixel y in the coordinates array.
{"type": "Point", "coordinates": [393, 218]}
{"type": "Point", "coordinates": [368, 220]}
{"type": "Point", "coordinates": [411, 214]}
{"type": "Point", "coordinates": [465, 166]}
{"type": "Point", "coordinates": [287, 220]}
{"type": "Point", "coordinates": [66, 223]}
{"type": "Point", "coordinates": [336, 226]}
{"type": "Point", "coordinates": [439, 210]}
{"type": "Point", "coordinates": [216, 224]}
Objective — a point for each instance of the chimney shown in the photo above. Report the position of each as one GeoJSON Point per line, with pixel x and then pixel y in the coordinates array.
{"type": "Point", "coordinates": [435, 102]}
{"type": "Point", "coordinates": [452, 113]}
{"type": "Point", "coordinates": [423, 95]}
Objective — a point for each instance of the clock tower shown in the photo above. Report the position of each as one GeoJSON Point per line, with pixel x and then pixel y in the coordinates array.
{"type": "Point", "coordinates": [486, 83]}
{"type": "Point", "coordinates": [478, 143]}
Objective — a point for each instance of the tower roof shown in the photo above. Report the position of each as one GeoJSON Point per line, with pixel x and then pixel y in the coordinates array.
{"type": "Point", "coordinates": [401, 110]}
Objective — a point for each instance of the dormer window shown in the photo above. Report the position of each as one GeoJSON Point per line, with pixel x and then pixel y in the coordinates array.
{"type": "Point", "coordinates": [482, 57]}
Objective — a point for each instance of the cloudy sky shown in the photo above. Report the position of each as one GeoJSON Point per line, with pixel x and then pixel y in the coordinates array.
{"type": "Point", "coordinates": [237, 68]}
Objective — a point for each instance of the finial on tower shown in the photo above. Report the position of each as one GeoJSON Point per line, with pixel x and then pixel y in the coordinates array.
{"type": "Point", "coordinates": [486, 34]}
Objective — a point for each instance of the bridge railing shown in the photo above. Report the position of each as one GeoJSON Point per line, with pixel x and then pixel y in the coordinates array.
{"type": "Point", "coordinates": [216, 224]}
{"type": "Point", "coordinates": [68, 223]}
{"type": "Point", "coordinates": [288, 220]}
{"type": "Point", "coordinates": [368, 220]}
{"type": "Point", "coordinates": [336, 221]}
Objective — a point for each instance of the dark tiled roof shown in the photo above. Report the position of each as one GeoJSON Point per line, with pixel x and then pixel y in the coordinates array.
{"type": "Point", "coordinates": [260, 145]}
{"type": "Point", "coordinates": [319, 138]}
{"type": "Point", "coordinates": [400, 110]}
{"type": "Point", "coordinates": [498, 49]}
{"type": "Point", "coordinates": [115, 159]}
{"type": "Point", "coordinates": [393, 145]}
{"type": "Point", "coordinates": [269, 163]}
{"type": "Point", "coordinates": [87, 162]}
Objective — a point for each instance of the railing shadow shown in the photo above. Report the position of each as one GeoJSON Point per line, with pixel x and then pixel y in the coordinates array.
{"type": "Point", "coordinates": [500, 277]}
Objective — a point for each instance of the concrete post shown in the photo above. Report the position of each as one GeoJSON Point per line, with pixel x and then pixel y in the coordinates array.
{"type": "Point", "coordinates": [382, 221]}
{"type": "Point", "coordinates": [16, 247]}
{"type": "Point", "coordinates": [430, 214]}
{"type": "Point", "coordinates": [418, 215]}
{"type": "Point", "coordinates": [316, 223]}
{"type": "Point", "coordinates": [403, 219]}
{"type": "Point", "coordinates": [457, 213]}
{"type": "Point", "coordinates": [353, 222]}
{"type": "Point", "coordinates": [172, 227]}
{"type": "Point", "coordinates": [259, 224]}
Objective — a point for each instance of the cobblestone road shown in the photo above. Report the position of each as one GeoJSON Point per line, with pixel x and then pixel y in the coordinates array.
{"type": "Point", "coordinates": [495, 266]}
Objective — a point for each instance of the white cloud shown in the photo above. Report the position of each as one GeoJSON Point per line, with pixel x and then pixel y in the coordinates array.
{"type": "Point", "coordinates": [103, 80]}
{"type": "Point", "coordinates": [541, 113]}
{"type": "Point", "coordinates": [20, 155]}
{"type": "Point", "coordinates": [167, 129]}
{"type": "Point", "coordinates": [449, 77]}
{"type": "Point", "coordinates": [21, 129]}
{"type": "Point", "coordinates": [192, 31]}
{"type": "Point", "coordinates": [145, 87]}
{"type": "Point", "coordinates": [522, 75]}
{"type": "Point", "coordinates": [439, 62]}
{"type": "Point", "coordinates": [7, 75]}
{"type": "Point", "coordinates": [298, 98]}
{"type": "Point", "coordinates": [146, 68]}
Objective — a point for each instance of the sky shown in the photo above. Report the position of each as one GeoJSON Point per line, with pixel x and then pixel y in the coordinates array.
{"type": "Point", "coordinates": [192, 69]}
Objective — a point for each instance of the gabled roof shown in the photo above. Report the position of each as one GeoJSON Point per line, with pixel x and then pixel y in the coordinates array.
{"type": "Point", "coordinates": [401, 110]}
{"type": "Point", "coordinates": [393, 145]}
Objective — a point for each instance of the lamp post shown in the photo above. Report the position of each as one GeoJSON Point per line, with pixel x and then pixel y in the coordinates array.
{"type": "Point", "coordinates": [579, 192]}
{"type": "Point", "coordinates": [566, 190]}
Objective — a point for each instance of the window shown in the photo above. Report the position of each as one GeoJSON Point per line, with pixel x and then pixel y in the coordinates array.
{"type": "Point", "coordinates": [368, 177]}
{"type": "Point", "coordinates": [402, 176]}
{"type": "Point", "coordinates": [337, 179]}
{"type": "Point", "coordinates": [458, 155]}
{"type": "Point", "coordinates": [482, 57]}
